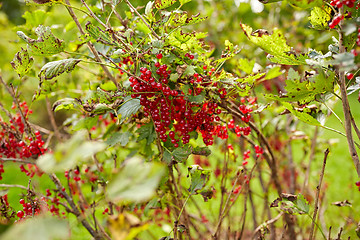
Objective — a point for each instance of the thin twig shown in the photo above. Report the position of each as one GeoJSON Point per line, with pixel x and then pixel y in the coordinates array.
{"type": "Point", "coordinates": [290, 156]}
{"type": "Point", "coordinates": [13, 186]}
{"type": "Point", "coordinates": [52, 119]}
{"type": "Point", "coordinates": [311, 157]}
{"type": "Point", "coordinates": [74, 208]}
{"type": "Point", "coordinates": [223, 210]}
{"type": "Point", "coordinates": [268, 222]}
{"type": "Point", "coordinates": [142, 19]}
{"type": "Point", "coordinates": [13, 95]}
{"type": "Point", "coordinates": [318, 188]}
{"type": "Point", "coordinates": [90, 45]}
{"type": "Point", "coordinates": [92, 14]}
{"type": "Point", "coordinates": [18, 160]}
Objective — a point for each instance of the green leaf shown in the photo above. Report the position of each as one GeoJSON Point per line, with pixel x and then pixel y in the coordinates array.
{"type": "Point", "coordinates": [273, 73]}
{"type": "Point", "coordinates": [250, 79]}
{"type": "Point", "coordinates": [301, 115]}
{"type": "Point", "coordinates": [182, 2]}
{"type": "Point", "coordinates": [320, 17]}
{"type": "Point", "coordinates": [101, 108]}
{"type": "Point", "coordinates": [306, 91]}
{"type": "Point", "coordinates": [35, 18]}
{"type": "Point", "coordinates": [108, 86]}
{"type": "Point", "coordinates": [199, 178]}
{"type": "Point", "coordinates": [85, 123]}
{"type": "Point", "coordinates": [149, 7]}
{"type": "Point", "coordinates": [147, 132]}
{"type": "Point", "coordinates": [246, 65]}
{"type": "Point", "coordinates": [161, 4]}
{"type": "Point", "coordinates": [302, 204]}
{"type": "Point", "coordinates": [65, 103]}
{"type": "Point", "coordinates": [54, 69]}
{"type": "Point", "coordinates": [39, 228]}
{"type": "Point", "coordinates": [187, 41]}
{"type": "Point", "coordinates": [203, 151]}
{"type": "Point", "coordinates": [190, 70]}
{"type": "Point", "coordinates": [293, 75]}
{"type": "Point", "coordinates": [101, 36]}
{"type": "Point", "coordinates": [198, 98]}
{"type": "Point", "coordinates": [22, 62]}
{"type": "Point", "coordinates": [117, 137]}
{"type": "Point", "coordinates": [69, 154]}
{"type": "Point", "coordinates": [180, 154]}
{"type": "Point", "coordinates": [46, 44]}
{"type": "Point", "coordinates": [130, 107]}
{"type": "Point", "coordinates": [136, 181]}
{"type": "Point", "coordinates": [306, 3]}
{"type": "Point", "coordinates": [182, 19]}
{"type": "Point", "coordinates": [174, 77]}
{"type": "Point", "coordinates": [274, 44]}
{"type": "Point", "coordinates": [269, 1]}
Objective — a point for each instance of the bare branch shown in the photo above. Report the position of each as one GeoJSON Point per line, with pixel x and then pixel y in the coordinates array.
{"type": "Point", "coordinates": [318, 188]}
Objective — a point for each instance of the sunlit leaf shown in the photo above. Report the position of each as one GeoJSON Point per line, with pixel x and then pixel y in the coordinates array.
{"type": "Point", "coordinates": [46, 44]}
{"type": "Point", "coordinates": [65, 103]}
{"type": "Point", "coordinates": [22, 62]}
{"type": "Point", "coordinates": [275, 45]}
{"type": "Point", "coordinates": [101, 36]}
{"type": "Point", "coordinates": [305, 3]}
{"type": "Point", "coordinates": [273, 73]}
{"type": "Point", "coordinates": [246, 65]}
{"type": "Point", "coordinates": [320, 17]}
{"type": "Point", "coordinates": [305, 91]}
{"type": "Point", "coordinates": [161, 4]}
{"type": "Point", "coordinates": [35, 18]}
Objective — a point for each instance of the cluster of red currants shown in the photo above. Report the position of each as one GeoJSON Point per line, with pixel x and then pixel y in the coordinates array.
{"type": "Point", "coordinates": [174, 116]}
{"type": "Point", "coordinates": [16, 144]}
{"type": "Point", "coordinates": [341, 3]}
{"type": "Point", "coordinates": [29, 209]}
{"type": "Point", "coordinates": [336, 20]}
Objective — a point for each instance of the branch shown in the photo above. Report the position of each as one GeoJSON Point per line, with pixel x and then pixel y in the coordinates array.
{"type": "Point", "coordinates": [12, 93]}
{"type": "Point", "coordinates": [90, 45]}
{"type": "Point", "coordinates": [142, 19]}
{"type": "Point", "coordinates": [19, 160]}
{"type": "Point", "coordinates": [346, 106]}
{"type": "Point", "coordinates": [74, 208]}
{"type": "Point", "coordinates": [52, 119]}
{"type": "Point", "coordinates": [318, 188]}
{"type": "Point", "coordinates": [13, 186]}
{"type": "Point", "coordinates": [268, 222]}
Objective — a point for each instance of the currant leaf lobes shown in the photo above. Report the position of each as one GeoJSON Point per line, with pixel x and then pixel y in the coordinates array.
{"type": "Point", "coordinates": [320, 17]}
{"type": "Point", "coordinates": [306, 91]}
{"type": "Point", "coordinates": [274, 44]}
{"type": "Point", "coordinates": [46, 44]}
{"type": "Point", "coordinates": [162, 4]}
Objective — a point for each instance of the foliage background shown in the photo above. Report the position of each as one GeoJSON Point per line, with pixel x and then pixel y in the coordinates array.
{"type": "Point", "coordinates": [222, 24]}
